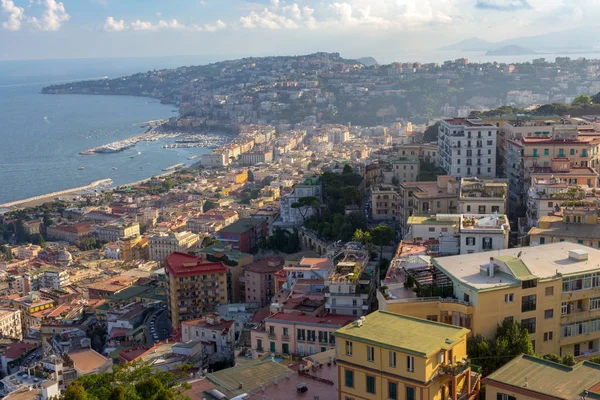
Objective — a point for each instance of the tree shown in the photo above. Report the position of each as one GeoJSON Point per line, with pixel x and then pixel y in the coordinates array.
{"type": "Point", "coordinates": [347, 169]}
{"type": "Point", "coordinates": [553, 357]}
{"type": "Point", "coordinates": [511, 340]}
{"type": "Point", "coordinates": [208, 205]}
{"type": "Point", "coordinates": [362, 236]}
{"type": "Point", "coordinates": [569, 359]}
{"type": "Point", "coordinates": [596, 98]}
{"type": "Point", "coordinates": [431, 133]}
{"type": "Point", "coordinates": [582, 101]}
{"type": "Point", "coordinates": [381, 236]}
{"type": "Point", "coordinates": [304, 204]}
{"type": "Point", "coordinates": [250, 176]}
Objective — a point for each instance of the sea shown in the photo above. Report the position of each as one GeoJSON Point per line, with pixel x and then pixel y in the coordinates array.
{"type": "Point", "coordinates": [41, 135]}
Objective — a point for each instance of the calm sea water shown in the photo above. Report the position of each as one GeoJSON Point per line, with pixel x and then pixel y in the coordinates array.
{"type": "Point", "coordinates": [41, 135]}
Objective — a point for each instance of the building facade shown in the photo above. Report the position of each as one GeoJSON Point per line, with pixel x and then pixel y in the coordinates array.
{"type": "Point", "coordinates": [161, 245]}
{"type": "Point", "coordinates": [259, 280]}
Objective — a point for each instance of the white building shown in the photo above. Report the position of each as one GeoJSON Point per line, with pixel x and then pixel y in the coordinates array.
{"type": "Point", "coordinates": [217, 334]}
{"type": "Point", "coordinates": [214, 160]}
{"type": "Point", "coordinates": [311, 187]}
{"type": "Point", "coordinates": [384, 203]}
{"type": "Point", "coordinates": [467, 147]}
{"type": "Point", "coordinates": [161, 245]}
{"type": "Point", "coordinates": [10, 324]}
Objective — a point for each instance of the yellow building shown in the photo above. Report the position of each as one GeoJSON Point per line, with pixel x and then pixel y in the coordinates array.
{"type": "Point", "coordinates": [577, 225]}
{"type": "Point", "coordinates": [391, 356]}
{"type": "Point", "coordinates": [553, 290]}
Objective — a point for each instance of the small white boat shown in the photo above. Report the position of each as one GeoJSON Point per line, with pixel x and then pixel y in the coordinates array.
{"type": "Point", "coordinates": [80, 168]}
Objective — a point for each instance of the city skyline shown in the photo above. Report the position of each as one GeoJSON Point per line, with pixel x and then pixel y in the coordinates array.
{"type": "Point", "coordinates": [109, 28]}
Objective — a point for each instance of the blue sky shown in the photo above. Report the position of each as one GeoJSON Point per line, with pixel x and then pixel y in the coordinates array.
{"type": "Point", "coordinates": [32, 29]}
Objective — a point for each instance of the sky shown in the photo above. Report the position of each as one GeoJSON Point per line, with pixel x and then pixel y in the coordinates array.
{"type": "Point", "coordinates": [41, 29]}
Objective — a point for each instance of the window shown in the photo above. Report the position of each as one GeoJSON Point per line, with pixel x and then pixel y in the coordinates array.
{"type": "Point", "coordinates": [410, 363]}
{"type": "Point", "coordinates": [370, 353]}
{"type": "Point", "coordinates": [548, 314]}
{"type": "Point", "coordinates": [392, 391]}
{"type": "Point", "coordinates": [528, 303]}
{"type": "Point", "coordinates": [470, 241]}
{"type": "Point", "coordinates": [572, 152]}
{"type": "Point", "coordinates": [393, 359]}
{"type": "Point", "coordinates": [370, 384]}
{"type": "Point", "coordinates": [349, 378]}
{"type": "Point", "coordinates": [271, 330]}
{"type": "Point", "coordinates": [487, 243]}
{"type": "Point", "coordinates": [481, 209]}
{"type": "Point", "coordinates": [466, 297]}
{"type": "Point", "coordinates": [535, 153]}
{"type": "Point", "coordinates": [348, 348]}
{"type": "Point", "coordinates": [542, 240]}
{"type": "Point", "coordinates": [594, 303]}
{"type": "Point", "coordinates": [431, 229]}
{"type": "Point", "coordinates": [502, 396]}
{"type": "Point", "coordinates": [285, 332]}
{"type": "Point", "coordinates": [495, 209]}
{"type": "Point", "coordinates": [529, 324]}
{"type": "Point", "coordinates": [549, 291]}
{"type": "Point", "coordinates": [564, 308]}
{"type": "Point", "coordinates": [529, 284]}
{"type": "Point", "coordinates": [410, 393]}
{"type": "Point", "coordinates": [468, 208]}
{"type": "Point", "coordinates": [509, 298]}
{"type": "Point", "coordinates": [548, 336]}
{"type": "Point", "coordinates": [546, 152]}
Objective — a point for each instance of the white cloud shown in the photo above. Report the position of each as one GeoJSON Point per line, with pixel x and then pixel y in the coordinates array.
{"type": "Point", "coordinates": [113, 25]}
{"type": "Point", "coordinates": [280, 16]}
{"type": "Point", "coordinates": [53, 17]}
{"type": "Point", "coordinates": [15, 15]}
{"type": "Point", "coordinates": [203, 3]}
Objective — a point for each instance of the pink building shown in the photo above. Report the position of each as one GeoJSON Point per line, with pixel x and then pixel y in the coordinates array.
{"type": "Point", "coordinates": [260, 280]}
{"type": "Point", "coordinates": [283, 333]}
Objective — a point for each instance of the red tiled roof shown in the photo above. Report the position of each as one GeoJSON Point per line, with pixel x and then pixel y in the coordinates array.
{"type": "Point", "coordinates": [265, 266]}
{"type": "Point", "coordinates": [182, 264]}
{"type": "Point", "coordinates": [131, 354]}
{"type": "Point", "coordinates": [14, 350]}
{"type": "Point", "coordinates": [261, 314]}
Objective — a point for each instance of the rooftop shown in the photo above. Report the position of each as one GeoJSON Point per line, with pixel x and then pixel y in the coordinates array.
{"type": "Point", "coordinates": [265, 266]}
{"type": "Point", "coordinates": [469, 122]}
{"type": "Point", "coordinates": [543, 262]}
{"type": "Point", "coordinates": [537, 376]}
{"type": "Point", "coordinates": [242, 225]}
{"type": "Point", "coordinates": [325, 320]}
{"type": "Point", "coordinates": [87, 361]}
{"type": "Point", "coordinates": [181, 264]}
{"type": "Point", "coordinates": [557, 227]}
{"type": "Point", "coordinates": [403, 333]}
{"type": "Point", "coordinates": [248, 377]}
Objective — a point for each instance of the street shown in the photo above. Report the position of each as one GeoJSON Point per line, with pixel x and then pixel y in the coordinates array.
{"type": "Point", "coordinates": [158, 326]}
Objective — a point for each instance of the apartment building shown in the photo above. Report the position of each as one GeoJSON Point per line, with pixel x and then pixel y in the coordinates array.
{"type": "Point", "coordinates": [551, 187]}
{"type": "Point", "coordinates": [283, 333]}
{"type": "Point", "coordinates": [392, 356]}
{"type": "Point", "coordinates": [244, 235]}
{"type": "Point", "coordinates": [349, 288]}
{"type": "Point", "coordinates": [71, 233]}
{"type": "Point", "coordinates": [384, 203]}
{"type": "Point", "coordinates": [483, 196]}
{"type": "Point", "coordinates": [259, 280]}
{"type": "Point", "coordinates": [427, 198]}
{"type": "Point", "coordinates": [216, 159]}
{"type": "Point", "coordinates": [257, 156]}
{"type": "Point", "coordinates": [460, 233]}
{"type": "Point", "coordinates": [194, 286]}
{"type": "Point", "coordinates": [28, 251]}
{"type": "Point", "coordinates": [308, 268]}
{"type": "Point", "coordinates": [163, 244]}
{"type": "Point", "coordinates": [10, 324]}
{"type": "Point", "coordinates": [29, 305]}
{"type": "Point", "coordinates": [467, 147]}
{"type": "Point", "coordinates": [234, 261]}
{"type": "Point", "coordinates": [114, 232]}
{"type": "Point", "coordinates": [530, 377]}
{"type": "Point", "coordinates": [216, 333]}
{"type": "Point", "coordinates": [426, 152]}
{"type": "Point", "coordinates": [311, 187]}
{"type": "Point", "coordinates": [46, 277]}
{"type": "Point", "coordinates": [552, 290]}
{"type": "Point", "coordinates": [563, 146]}
{"type": "Point", "coordinates": [576, 224]}
{"type": "Point", "coordinates": [403, 169]}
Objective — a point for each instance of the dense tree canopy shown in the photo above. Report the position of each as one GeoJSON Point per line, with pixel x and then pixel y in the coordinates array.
{"type": "Point", "coordinates": [128, 382]}
{"type": "Point", "coordinates": [431, 133]}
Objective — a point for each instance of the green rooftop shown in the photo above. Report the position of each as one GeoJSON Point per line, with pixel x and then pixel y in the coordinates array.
{"type": "Point", "coordinates": [136, 291]}
{"type": "Point", "coordinates": [222, 248]}
{"type": "Point", "coordinates": [517, 267]}
{"type": "Point", "coordinates": [242, 225]}
{"type": "Point", "coordinates": [549, 378]}
{"type": "Point", "coordinates": [311, 180]}
{"type": "Point", "coordinates": [248, 375]}
{"type": "Point", "coordinates": [403, 333]}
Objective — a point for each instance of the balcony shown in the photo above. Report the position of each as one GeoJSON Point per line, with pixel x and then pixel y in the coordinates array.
{"type": "Point", "coordinates": [272, 336]}
{"type": "Point", "coordinates": [578, 315]}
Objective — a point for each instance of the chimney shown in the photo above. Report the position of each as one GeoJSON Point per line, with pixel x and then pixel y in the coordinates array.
{"type": "Point", "coordinates": [491, 267]}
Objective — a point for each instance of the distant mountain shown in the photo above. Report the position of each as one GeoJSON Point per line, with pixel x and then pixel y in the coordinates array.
{"type": "Point", "coordinates": [568, 40]}
{"type": "Point", "coordinates": [367, 61]}
{"type": "Point", "coordinates": [471, 44]}
{"type": "Point", "coordinates": [511, 50]}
